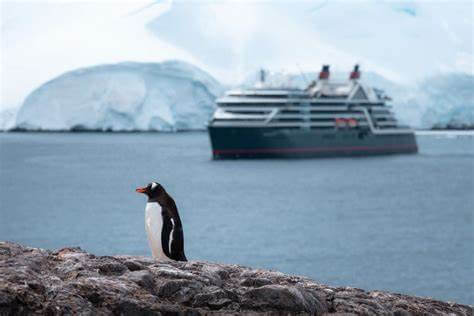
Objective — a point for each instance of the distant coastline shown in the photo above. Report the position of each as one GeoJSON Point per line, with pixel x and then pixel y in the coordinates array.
{"type": "Point", "coordinates": [468, 130]}
{"type": "Point", "coordinates": [448, 132]}
{"type": "Point", "coordinates": [453, 127]}
{"type": "Point", "coordinates": [105, 131]}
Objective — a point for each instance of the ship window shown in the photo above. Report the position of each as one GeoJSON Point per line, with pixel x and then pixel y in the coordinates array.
{"type": "Point", "coordinates": [248, 112]}
{"type": "Point", "coordinates": [328, 96]}
{"type": "Point", "coordinates": [289, 119]}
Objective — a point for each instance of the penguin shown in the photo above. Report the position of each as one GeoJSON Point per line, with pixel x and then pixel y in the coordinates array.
{"type": "Point", "coordinates": [162, 224]}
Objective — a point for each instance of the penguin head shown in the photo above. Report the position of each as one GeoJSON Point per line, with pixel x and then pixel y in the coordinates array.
{"type": "Point", "coordinates": [153, 190]}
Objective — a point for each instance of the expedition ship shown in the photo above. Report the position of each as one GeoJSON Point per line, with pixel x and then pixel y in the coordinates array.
{"type": "Point", "coordinates": [325, 119]}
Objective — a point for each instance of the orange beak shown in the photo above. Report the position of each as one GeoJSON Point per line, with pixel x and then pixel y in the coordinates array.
{"type": "Point", "coordinates": [141, 190]}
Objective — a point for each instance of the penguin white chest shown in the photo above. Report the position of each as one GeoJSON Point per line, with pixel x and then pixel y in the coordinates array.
{"type": "Point", "coordinates": [153, 227]}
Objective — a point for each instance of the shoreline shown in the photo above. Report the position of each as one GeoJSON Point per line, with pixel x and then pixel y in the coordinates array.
{"type": "Point", "coordinates": [421, 132]}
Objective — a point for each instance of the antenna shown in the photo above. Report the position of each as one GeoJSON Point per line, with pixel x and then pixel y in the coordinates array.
{"type": "Point", "coordinates": [302, 74]}
{"type": "Point", "coordinates": [262, 76]}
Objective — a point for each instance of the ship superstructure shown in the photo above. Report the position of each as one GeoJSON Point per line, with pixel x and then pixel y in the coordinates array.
{"type": "Point", "coordinates": [325, 119]}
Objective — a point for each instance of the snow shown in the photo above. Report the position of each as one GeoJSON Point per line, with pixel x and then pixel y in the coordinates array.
{"type": "Point", "coordinates": [166, 96]}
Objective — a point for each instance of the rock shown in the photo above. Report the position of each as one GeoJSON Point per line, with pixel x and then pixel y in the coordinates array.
{"type": "Point", "coordinates": [143, 278]}
{"type": "Point", "coordinates": [71, 281]}
{"type": "Point", "coordinates": [287, 298]}
{"type": "Point", "coordinates": [255, 282]}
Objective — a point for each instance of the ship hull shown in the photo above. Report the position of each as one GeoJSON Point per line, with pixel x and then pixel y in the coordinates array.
{"type": "Point", "coordinates": [258, 142]}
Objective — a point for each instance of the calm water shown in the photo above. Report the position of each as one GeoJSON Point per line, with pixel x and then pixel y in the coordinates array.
{"type": "Point", "coordinates": [398, 223]}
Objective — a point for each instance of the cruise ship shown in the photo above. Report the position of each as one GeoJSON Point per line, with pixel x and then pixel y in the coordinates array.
{"type": "Point", "coordinates": [325, 119]}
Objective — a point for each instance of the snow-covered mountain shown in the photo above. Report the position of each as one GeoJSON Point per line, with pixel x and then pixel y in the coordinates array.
{"type": "Point", "coordinates": [404, 41]}
{"type": "Point", "coordinates": [164, 96]}
{"type": "Point", "coordinates": [406, 45]}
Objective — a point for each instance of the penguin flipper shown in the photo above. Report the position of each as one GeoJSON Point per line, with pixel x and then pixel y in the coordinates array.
{"type": "Point", "coordinates": [177, 245]}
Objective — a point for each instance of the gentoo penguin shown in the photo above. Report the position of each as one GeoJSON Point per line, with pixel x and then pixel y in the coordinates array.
{"type": "Point", "coordinates": [162, 224]}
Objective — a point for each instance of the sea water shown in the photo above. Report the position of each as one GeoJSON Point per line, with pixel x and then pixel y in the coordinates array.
{"type": "Point", "coordinates": [399, 223]}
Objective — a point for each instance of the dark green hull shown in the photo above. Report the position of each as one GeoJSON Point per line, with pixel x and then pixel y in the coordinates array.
{"type": "Point", "coordinates": [250, 142]}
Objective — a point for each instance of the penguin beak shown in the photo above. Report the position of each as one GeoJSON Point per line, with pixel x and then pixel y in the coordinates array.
{"type": "Point", "coordinates": [141, 190]}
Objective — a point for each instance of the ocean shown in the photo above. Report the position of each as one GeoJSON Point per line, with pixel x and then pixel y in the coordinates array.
{"type": "Point", "coordinates": [397, 223]}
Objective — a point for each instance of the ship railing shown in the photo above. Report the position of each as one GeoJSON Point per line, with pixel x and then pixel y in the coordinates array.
{"type": "Point", "coordinates": [279, 124]}
{"type": "Point", "coordinates": [383, 116]}
{"type": "Point", "coordinates": [284, 101]}
{"type": "Point", "coordinates": [266, 116]}
{"type": "Point", "coordinates": [387, 123]}
{"type": "Point", "coordinates": [341, 108]}
{"type": "Point", "coordinates": [320, 116]}
{"type": "Point", "coordinates": [269, 113]}
{"type": "Point", "coordinates": [262, 115]}
{"type": "Point", "coordinates": [378, 131]}
{"type": "Point", "coordinates": [254, 115]}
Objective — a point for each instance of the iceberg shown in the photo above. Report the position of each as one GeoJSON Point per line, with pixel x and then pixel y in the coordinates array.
{"type": "Point", "coordinates": [130, 96]}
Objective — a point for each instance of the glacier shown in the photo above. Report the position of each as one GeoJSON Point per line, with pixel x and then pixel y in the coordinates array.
{"type": "Point", "coordinates": [131, 96]}
{"type": "Point", "coordinates": [440, 101]}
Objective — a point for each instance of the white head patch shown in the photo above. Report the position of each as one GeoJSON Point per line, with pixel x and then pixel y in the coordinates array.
{"type": "Point", "coordinates": [153, 185]}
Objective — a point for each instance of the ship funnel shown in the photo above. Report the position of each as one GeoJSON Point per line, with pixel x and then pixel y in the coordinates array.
{"type": "Point", "coordinates": [355, 74]}
{"type": "Point", "coordinates": [324, 74]}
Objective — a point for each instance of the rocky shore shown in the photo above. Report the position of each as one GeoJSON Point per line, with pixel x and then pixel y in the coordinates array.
{"type": "Point", "coordinates": [71, 281]}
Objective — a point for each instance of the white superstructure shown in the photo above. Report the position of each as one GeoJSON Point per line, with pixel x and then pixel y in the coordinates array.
{"type": "Point", "coordinates": [321, 105]}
